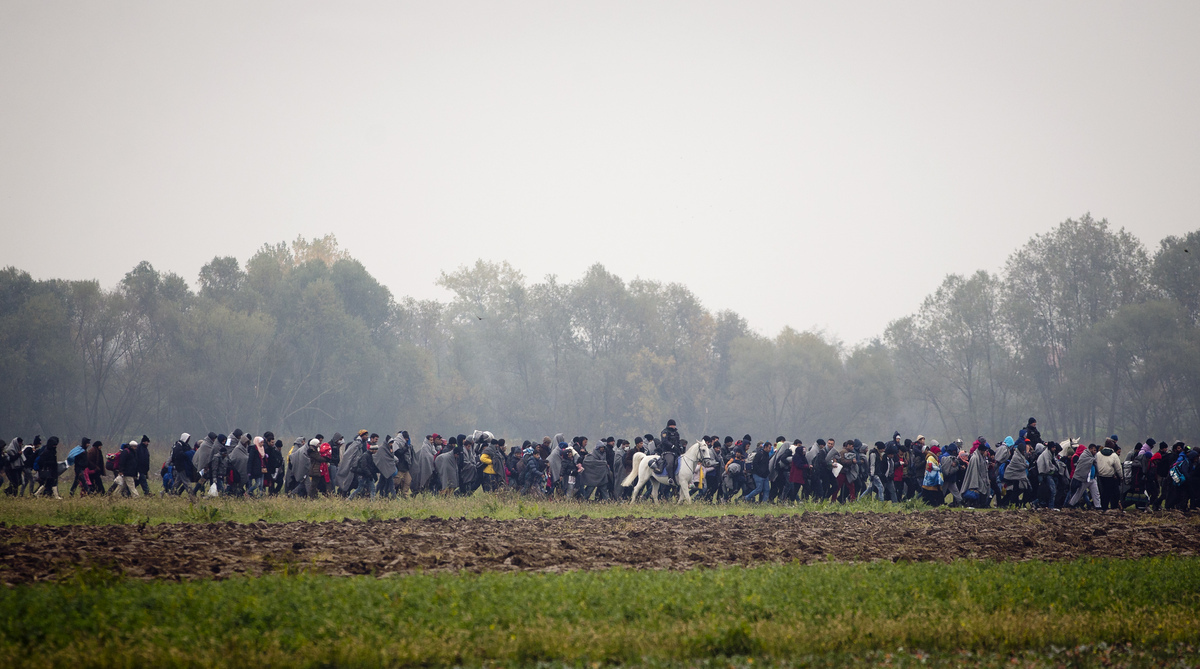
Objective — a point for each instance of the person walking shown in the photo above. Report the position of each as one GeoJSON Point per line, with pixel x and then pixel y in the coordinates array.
{"type": "Point", "coordinates": [1108, 476]}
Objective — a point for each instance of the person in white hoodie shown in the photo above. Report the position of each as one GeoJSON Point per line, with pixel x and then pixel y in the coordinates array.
{"type": "Point", "coordinates": [1108, 475]}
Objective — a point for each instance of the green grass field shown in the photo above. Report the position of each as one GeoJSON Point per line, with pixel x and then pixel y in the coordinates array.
{"type": "Point", "coordinates": [828, 614]}
{"type": "Point", "coordinates": [155, 509]}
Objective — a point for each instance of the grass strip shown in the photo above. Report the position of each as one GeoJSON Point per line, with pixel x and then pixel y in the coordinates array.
{"type": "Point", "coordinates": [773, 612]}
{"type": "Point", "coordinates": [154, 509]}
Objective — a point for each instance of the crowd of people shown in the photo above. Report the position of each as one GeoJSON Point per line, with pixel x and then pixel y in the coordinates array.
{"type": "Point", "coordinates": [1024, 472]}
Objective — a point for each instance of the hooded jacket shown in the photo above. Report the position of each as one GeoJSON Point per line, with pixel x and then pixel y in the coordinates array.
{"type": "Point", "coordinates": [1108, 464]}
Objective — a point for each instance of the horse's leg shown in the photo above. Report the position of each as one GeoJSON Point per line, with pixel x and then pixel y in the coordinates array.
{"type": "Point", "coordinates": [640, 484]}
{"type": "Point", "coordinates": [684, 495]}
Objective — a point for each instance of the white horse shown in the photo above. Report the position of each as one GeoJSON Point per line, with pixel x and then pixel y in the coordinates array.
{"type": "Point", "coordinates": [641, 471]}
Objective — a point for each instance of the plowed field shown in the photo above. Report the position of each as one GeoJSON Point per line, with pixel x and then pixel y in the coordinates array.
{"type": "Point", "coordinates": [218, 550]}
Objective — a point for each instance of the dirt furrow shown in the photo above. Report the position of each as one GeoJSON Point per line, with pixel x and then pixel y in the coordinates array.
{"type": "Point", "coordinates": [191, 551]}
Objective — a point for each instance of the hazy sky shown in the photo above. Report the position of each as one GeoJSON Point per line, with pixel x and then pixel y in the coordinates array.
{"type": "Point", "coordinates": [809, 164]}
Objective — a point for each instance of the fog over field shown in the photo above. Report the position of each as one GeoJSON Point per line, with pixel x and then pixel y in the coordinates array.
{"type": "Point", "coordinates": [788, 218]}
{"type": "Point", "coordinates": [804, 164]}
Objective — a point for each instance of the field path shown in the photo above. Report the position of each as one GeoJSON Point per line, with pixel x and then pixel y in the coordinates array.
{"type": "Point", "coordinates": [219, 550]}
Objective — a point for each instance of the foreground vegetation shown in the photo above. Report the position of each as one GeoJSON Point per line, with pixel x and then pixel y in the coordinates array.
{"type": "Point", "coordinates": [829, 613]}
{"type": "Point", "coordinates": [154, 509]}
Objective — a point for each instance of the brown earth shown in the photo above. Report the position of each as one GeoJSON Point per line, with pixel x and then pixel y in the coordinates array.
{"type": "Point", "coordinates": [219, 550]}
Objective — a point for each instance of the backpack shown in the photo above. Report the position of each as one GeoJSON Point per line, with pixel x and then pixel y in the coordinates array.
{"type": "Point", "coordinates": [110, 461]}
{"type": "Point", "coordinates": [1178, 471]}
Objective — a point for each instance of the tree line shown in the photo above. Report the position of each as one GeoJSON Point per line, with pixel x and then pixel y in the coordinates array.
{"type": "Point", "coordinates": [1084, 328]}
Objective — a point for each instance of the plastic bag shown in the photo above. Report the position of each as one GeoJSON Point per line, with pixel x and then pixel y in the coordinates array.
{"type": "Point", "coordinates": [212, 489]}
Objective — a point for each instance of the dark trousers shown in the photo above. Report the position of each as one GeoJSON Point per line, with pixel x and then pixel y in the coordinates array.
{"type": "Point", "coordinates": [1110, 492]}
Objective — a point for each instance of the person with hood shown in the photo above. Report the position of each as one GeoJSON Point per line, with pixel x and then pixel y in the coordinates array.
{"type": "Point", "coordinates": [127, 468]}
{"type": "Point", "coordinates": [48, 469]}
{"type": "Point", "coordinates": [353, 470]}
{"type": "Point", "coordinates": [1178, 475]}
{"type": "Point", "coordinates": [181, 461]}
{"type": "Point", "coordinates": [298, 468]}
{"type": "Point", "coordinates": [202, 461]}
{"type": "Point", "coordinates": [29, 466]}
{"type": "Point", "coordinates": [239, 464]}
{"type": "Point", "coordinates": [493, 465]}
{"type": "Point", "coordinates": [14, 463]}
{"type": "Point", "coordinates": [403, 452]}
{"type": "Point", "coordinates": [780, 466]}
{"type": "Point", "coordinates": [953, 469]}
{"type": "Point", "coordinates": [1108, 476]}
{"type": "Point", "coordinates": [798, 471]}
{"type": "Point", "coordinates": [274, 464]}
{"type": "Point", "coordinates": [385, 464]}
{"type": "Point", "coordinates": [318, 463]}
{"type": "Point", "coordinates": [346, 456]}
{"type": "Point", "coordinates": [596, 474]}
{"type": "Point", "coordinates": [468, 466]}
{"type": "Point", "coordinates": [422, 465]}
{"type": "Point", "coordinates": [447, 466]}
{"type": "Point", "coordinates": [77, 460]}
{"type": "Point", "coordinates": [533, 472]}
{"type": "Point", "coordinates": [878, 470]}
{"type": "Point", "coordinates": [1049, 469]}
{"type": "Point", "coordinates": [554, 462]}
{"type": "Point", "coordinates": [822, 473]}
{"type": "Point", "coordinates": [143, 455]}
{"type": "Point", "coordinates": [220, 465]}
{"type": "Point", "coordinates": [1016, 476]}
{"type": "Point", "coordinates": [95, 464]}
{"type": "Point", "coordinates": [336, 443]}
{"type": "Point", "coordinates": [1083, 481]}
{"type": "Point", "coordinates": [256, 465]}
{"type": "Point", "coordinates": [977, 482]}
{"type": "Point", "coordinates": [847, 459]}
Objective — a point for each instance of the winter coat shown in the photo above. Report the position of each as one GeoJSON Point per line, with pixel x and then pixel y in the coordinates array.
{"type": "Point", "coordinates": [127, 461]}
{"type": "Point", "coordinates": [315, 460]}
{"type": "Point", "coordinates": [143, 458]}
{"type": "Point", "coordinates": [1108, 464]}
{"type": "Point", "coordinates": [95, 459]}
{"type": "Point", "coordinates": [761, 464]}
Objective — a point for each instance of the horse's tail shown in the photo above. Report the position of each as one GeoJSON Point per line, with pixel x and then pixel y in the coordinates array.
{"type": "Point", "coordinates": [633, 470]}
